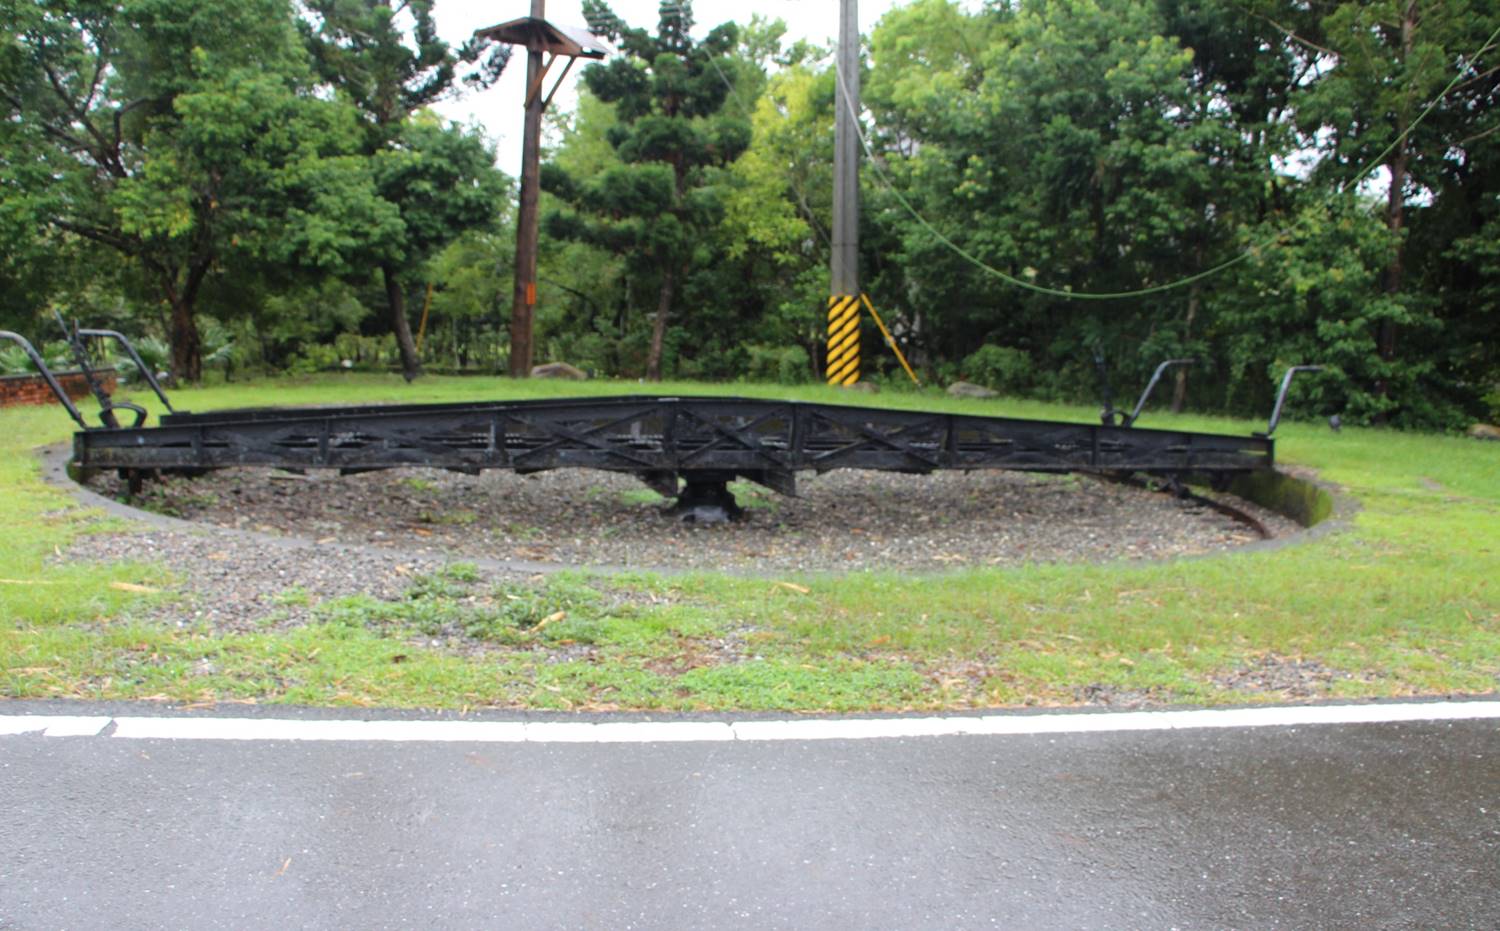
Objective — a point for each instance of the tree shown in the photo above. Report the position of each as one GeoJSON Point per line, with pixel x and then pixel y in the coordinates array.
{"type": "Point", "coordinates": [656, 205]}
{"type": "Point", "coordinates": [390, 73]}
{"type": "Point", "coordinates": [778, 206]}
{"type": "Point", "coordinates": [472, 278]}
{"type": "Point", "coordinates": [158, 131]}
{"type": "Point", "coordinates": [31, 255]}
{"type": "Point", "coordinates": [1385, 63]}
{"type": "Point", "coordinates": [1065, 143]}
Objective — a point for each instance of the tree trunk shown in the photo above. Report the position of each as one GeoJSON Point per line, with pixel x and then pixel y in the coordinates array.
{"type": "Point", "coordinates": [1395, 272]}
{"type": "Point", "coordinates": [659, 326]}
{"type": "Point", "coordinates": [1179, 389]}
{"type": "Point", "coordinates": [672, 269]}
{"type": "Point", "coordinates": [1395, 215]}
{"type": "Point", "coordinates": [187, 345]}
{"type": "Point", "coordinates": [411, 363]}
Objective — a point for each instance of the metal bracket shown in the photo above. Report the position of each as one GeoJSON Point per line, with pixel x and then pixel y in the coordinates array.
{"type": "Point", "coordinates": [1286, 383]}
{"type": "Point", "coordinates": [1151, 386]}
{"type": "Point", "coordinates": [706, 499]}
{"type": "Point", "coordinates": [1107, 415]}
{"type": "Point", "coordinates": [81, 358]}
{"type": "Point", "coordinates": [46, 373]}
{"type": "Point", "coordinates": [135, 357]}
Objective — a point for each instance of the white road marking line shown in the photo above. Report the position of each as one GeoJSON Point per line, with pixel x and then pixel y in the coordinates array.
{"type": "Point", "coordinates": [628, 731]}
{"type": "Point", "coordinates": [406, 731]}
{"type": "Point", "coordinates": [209, 728]}
{"type": "Point", "coordinates": [52, 725]}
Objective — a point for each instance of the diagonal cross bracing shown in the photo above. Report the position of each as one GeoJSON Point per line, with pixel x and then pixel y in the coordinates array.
{"type": "Point", "coordinates": [657, 435]}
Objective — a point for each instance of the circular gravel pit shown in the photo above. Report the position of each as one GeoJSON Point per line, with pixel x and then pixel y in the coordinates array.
{"type": "Point", "coordinates": [841, 521]}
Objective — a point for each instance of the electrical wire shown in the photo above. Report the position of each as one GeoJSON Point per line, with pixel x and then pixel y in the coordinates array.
{"type": "Point", "coordinates": [1139, 292]}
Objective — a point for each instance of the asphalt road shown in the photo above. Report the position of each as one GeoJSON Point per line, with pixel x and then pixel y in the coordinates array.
{"type": "Point", "coordinates": [1362, 826]}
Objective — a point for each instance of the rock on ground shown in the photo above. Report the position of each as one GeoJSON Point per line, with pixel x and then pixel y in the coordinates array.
{"type": "Point", "coordinates": [559, 370]}
{"type": "Point", "coordinates": [963, 389]}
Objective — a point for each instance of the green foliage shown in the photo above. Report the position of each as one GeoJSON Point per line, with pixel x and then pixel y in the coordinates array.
{"type": "Point", "coordinates": [670, 141]}
{"type": "Point", "coordinates": [1105, 146]}
{"type": "Point", "coordinates": [389, 61]}
{"type": "Point", "coordinates": [428, 182]}
{"type": "Point", "coordinates": [246, 181]}
{"type": "Point", "coordinates": [471, 281]}
{"type": "Point", "coordinates": [170, 133]}
{"type": "Point", "coordinates": [1317, 296]}
{"type": "Point", "coordinates": [782, 365]}
{"type": "Point", "coordinates": [1002, 368]}
{"type": "Point", "coordinates": [15, 361]}
{"type": "Point", "coordinates": [1491, 403]}
{"type": "Point", "coordinates": [154, 352]}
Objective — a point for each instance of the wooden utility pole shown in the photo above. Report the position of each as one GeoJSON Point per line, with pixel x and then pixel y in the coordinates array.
{"type": "Point", "coordinates": [523, 299]}
{"type": "Point", "coordinates": [545, 43]}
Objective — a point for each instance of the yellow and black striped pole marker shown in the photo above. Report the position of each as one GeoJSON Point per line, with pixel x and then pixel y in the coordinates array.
{"type": "Point", "coordinates": [843, 339]}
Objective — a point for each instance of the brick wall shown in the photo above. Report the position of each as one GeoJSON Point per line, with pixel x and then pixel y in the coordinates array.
{"type": "Point", "coordinates": [32, 389]}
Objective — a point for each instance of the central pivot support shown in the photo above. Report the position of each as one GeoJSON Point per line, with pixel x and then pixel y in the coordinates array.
{"type": "Point", "coordinates": [705, 498]}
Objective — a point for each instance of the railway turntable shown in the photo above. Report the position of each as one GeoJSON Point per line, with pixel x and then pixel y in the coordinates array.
{"type": "Point", "coordinates": [687, 448]}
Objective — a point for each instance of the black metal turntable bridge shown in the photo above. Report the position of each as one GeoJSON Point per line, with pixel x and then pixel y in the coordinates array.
{"type": "Point", "coordinates": [684, 447]}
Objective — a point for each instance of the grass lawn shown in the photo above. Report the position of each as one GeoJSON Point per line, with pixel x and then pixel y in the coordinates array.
{"type": "Point", "coordinates": [1404, 602]}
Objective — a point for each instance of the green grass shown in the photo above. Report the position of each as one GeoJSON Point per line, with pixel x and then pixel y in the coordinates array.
{"type": "Point", "coordinates": [1405, 602]}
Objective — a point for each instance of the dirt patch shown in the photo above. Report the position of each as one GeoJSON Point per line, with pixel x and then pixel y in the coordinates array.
{"type": "Point", "coordinates": [1283, 676]}
{"type": "Point", "coordinates": [1101, 695]}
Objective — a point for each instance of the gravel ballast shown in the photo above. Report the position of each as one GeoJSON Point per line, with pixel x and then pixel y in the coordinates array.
{"type": "Point", "coordinates": [841, 521]}
{"type": "Point", "coordinates": [240, 582]}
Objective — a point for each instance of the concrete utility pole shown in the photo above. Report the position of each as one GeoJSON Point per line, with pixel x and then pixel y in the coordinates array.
{"type": "Point", "coordinates": [844, 290]}
{"type": "Point", "coordinates": [845, 278]}
{"type": "Point", "coordinates": [523, 300]}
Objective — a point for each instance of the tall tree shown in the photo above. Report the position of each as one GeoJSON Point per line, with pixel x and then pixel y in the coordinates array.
{"type": "Point", "coordinates": [386, 59]}
{"type": "Point", "coordinates": [1385, 63]}
{"type": "Point", "coordinates": [1064, 143]}
{"type": "Point", "coordinates": [672, 137]}
{"type": "Point", "coordinates": [778, 206]}
{"type": "Point", "coordinates": [154, 130]}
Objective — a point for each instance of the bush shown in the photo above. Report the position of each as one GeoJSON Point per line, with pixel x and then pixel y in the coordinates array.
{"type": "Point", "coordinates": [784, 365]}
{"type": "Point", "coordinates": [315, 357]}
{"type": "Point", "coordinates": [1492, 405]}
{"type": "Point", "coordinates": [14, 361]}
{"type": "Point", "coordinates": [1002, 368]}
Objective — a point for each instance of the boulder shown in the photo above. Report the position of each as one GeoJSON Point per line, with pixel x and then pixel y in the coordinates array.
{"type": "Point", "coordinates": [559, 370]}
{"type": "Point", "coordinates": [868, 387]}
{"type": "Point", "coordinates": [963, 389]}
{"type": "Point", "coordinates": [1484, 431]}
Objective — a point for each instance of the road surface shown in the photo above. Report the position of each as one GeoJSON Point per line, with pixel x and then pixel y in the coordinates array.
{"type": "Point", "coordinates": [1369, 825]}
